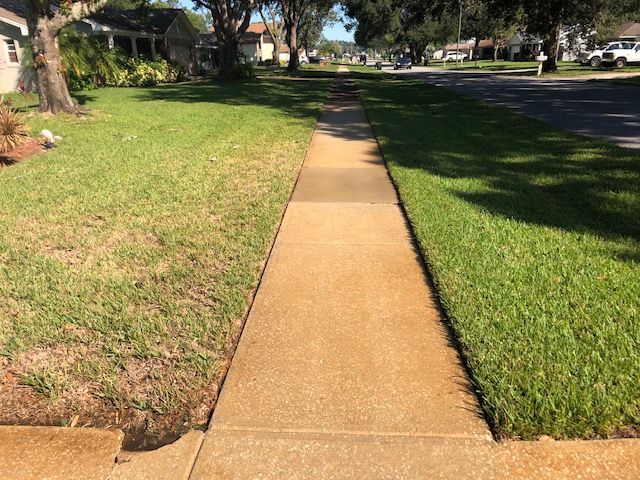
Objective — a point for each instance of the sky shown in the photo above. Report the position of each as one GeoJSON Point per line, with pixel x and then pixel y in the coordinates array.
{"type": "Point", "coordinates": [337, 32]}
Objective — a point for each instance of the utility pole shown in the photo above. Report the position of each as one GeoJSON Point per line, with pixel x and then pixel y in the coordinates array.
{"type": "Point", "coordinates": [459, 30]}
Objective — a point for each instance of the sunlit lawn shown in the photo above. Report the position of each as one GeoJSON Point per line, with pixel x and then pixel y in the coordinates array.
{"type": "Point", "coordinates": [130, 252]}
{"type": "Point", "coordinates": [534, 247]}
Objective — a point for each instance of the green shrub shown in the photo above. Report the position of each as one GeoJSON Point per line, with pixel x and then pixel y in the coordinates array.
{"type": "Point", "coordinates": [146, 73]}
{"type": "Point", "coordinates": [245, 70]}
{"type": "Point", "coordinates": [81, 83]}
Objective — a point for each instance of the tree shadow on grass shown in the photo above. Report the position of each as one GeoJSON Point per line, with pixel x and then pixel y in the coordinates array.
{"type": "Point", "coordinates": [298, 99]}
{"type": "Point", "coordinates": [509, 165]}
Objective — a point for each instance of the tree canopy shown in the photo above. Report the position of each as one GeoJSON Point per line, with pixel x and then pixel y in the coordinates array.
{"type": "Point", "coordinates": [415, 23]}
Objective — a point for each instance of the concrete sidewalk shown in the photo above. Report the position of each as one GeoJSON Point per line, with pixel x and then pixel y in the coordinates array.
{"type": "Point", "coordinates": [344, 369]}
{"type": "Point", "coordinates": [344, 366]}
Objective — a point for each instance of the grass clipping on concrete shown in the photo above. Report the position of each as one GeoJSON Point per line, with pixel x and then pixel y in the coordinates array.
{"type": "Point", "coordinates": [129, 253]}
{"type": "Point", "coordinates": [532, 237]}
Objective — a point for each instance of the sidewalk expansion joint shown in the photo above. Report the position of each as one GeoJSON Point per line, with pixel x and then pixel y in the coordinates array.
{"type": "Point", "coordinates": [360, 435]}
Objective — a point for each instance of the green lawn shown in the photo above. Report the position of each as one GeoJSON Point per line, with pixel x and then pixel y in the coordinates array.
{"type": "Point", "coordinates": [576, 70]}
{"type": "Point", "coordinates": [490, 65]}
{"type": "Point", "coordinates": [311, 70]}
{"type": "Point", "coordinates": [130, 251]}
{"type": "Point", "coordinates": [533, 243]}
{"type": "Point", "coordinates": [635, 81]}
{"type": "Point", "coordinates": [483, 64]}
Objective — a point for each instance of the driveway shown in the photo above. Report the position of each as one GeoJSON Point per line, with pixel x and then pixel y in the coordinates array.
{"type": "Point", "coordinates": [595, 109]}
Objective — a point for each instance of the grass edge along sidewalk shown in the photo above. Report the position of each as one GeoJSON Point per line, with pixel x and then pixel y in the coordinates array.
{"type": "Point", "coordinates": [532, 237]}
{"type": "Point", "coordinates": [130, 251]}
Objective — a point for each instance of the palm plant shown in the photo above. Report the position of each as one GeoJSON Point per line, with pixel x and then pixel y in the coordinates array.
{"type": "Point", "coordinates": [13, 131]}
{"type": "Point", "coordinates": [84, 55]}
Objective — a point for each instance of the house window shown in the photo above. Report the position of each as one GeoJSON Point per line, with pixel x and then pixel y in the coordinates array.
{"type": "Point", "coordinates": [11, 51]}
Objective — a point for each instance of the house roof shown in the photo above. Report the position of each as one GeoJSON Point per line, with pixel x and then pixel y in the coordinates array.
{"type": "Point", "coordinates": [208, 40]}
{"type": "Point", "coordinates": [156, 22]}
{"type": "Point", "coordinates": [485, 43]}
{"type": "Point", "coordinates": [12, 12]}
{"type": "Point", "coordinates": [257, 27]}
{"type": "Point", "coordinates": [631, 29]}
{"type": "Point", "coordinates": [250, 37]}
{"type": "Point", "coordinates": [454, 46]}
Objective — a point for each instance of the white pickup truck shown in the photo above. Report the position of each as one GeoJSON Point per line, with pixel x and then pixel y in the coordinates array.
{"type": "Point", "coordinates": [629, 53]}
{"type": "Point", "coordinates": [594, 57]}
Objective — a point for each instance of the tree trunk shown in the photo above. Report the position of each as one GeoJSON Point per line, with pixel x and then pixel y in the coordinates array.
{"type": "Point", "coordinates": [276, 52]}
{"type": "Point", "coordinates": [274, 28]}
{"type": "Point", "coordinates": [50, 73]}
{"type": "Point", "coordinates": [44, 27]}
{"type": "Point", "coordinates": [230, 21]}
{"type": "Point", "coordinates": [294, 61]}
{"type": "Point", "coordinates": [550, 48]}
{"type": "Point", "coordinates": [228, 48]}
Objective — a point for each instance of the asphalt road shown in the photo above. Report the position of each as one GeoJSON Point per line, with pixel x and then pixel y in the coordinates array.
{"type": "Point", "coordinates": [595, 109]}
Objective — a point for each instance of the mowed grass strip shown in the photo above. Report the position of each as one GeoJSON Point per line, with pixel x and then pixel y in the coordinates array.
{"type": "Point", "coordinates": [532, 236]}
{"type": "Point", "coordinates": [129, 252]}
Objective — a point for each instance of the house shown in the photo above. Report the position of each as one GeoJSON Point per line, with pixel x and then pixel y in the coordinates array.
{"type": "Point", "coordinates": [164, 31]}
{"type": "Point", "coordinates": [464, 46]}
{"type": "Point", "coordinates": [13, 36]}
{"type": "Point", "coordinates": [522, 46]}
{"type": "Point", "coordinates": [483, 50]}
{"type": "Point", "coordinates": [629, 32]}
{"type": "Point", "coordinates": [256, 45]}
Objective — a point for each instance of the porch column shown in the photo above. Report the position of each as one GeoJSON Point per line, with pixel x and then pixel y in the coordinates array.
{"type": "Point", "coordinates": [110, 42]}
{"type": "Point", "coordinates": [134, 47]}
{"type": "Point", "coordinates": [153, 48]}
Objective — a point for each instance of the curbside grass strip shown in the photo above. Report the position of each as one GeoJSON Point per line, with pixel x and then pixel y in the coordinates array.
{"type": "Point", "coordinates": [532, 240]}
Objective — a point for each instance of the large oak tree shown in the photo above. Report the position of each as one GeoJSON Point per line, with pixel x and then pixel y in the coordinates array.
{"type": "Point", "coordinates": [295, 12]}
{"type": "Point", "coordinates": [547, 18]}
{"type": "Point", "coordinates": [230, 20]}
{"type": "Point", "coordinates": [45, 23]}
{"type": "Point", "coordinates": [411, 24]}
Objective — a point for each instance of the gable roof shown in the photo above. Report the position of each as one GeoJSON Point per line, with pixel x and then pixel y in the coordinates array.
{"type": "Point", "coordinates": [631, 29]}
{"type": "Point", "coordinates": [485, 43]}
{"type": "Point", "coordinates": [12, 12]}
{"type": "Point", "coordinates": [156, 22]}
{"type": "Point", "coordinates": [258, 27]}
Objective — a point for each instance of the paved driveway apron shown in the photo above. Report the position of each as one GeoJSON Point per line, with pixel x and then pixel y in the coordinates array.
{"type": "Point", "coordinates": [605, 111]}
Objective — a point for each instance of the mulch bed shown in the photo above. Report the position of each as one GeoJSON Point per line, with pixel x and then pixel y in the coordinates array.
{"type": "Point", "coordinates": [28, 149]}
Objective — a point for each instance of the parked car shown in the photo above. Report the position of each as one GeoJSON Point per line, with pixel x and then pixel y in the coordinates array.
{"type": "Point", "coordinates": [402, 62]}
{"type": "Point", "coordinates": [455, 56]}
{"type": "Point", "coordinates": [594, 58]}
{"type": "Point", "coordinates": [619, 57]}
{"type": "Point", "coordinates": [315, 59]}
{"type": "Point", "coordinates": [303, 59]}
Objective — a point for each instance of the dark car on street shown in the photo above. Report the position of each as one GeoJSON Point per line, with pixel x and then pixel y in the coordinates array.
{"type": "Point", "coordinates": [402, 62]}
{"type": "Point", "coordinates": [315, 59]}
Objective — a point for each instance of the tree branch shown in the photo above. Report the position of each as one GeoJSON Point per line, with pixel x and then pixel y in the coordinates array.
{"type": "Point", "coordinates": [77, 11]}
